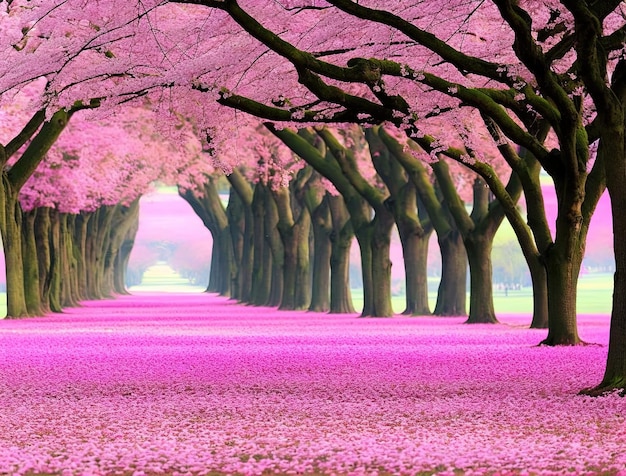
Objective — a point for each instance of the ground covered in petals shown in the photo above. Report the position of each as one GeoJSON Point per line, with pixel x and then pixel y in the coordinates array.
{"type": "Point", "coordinates": [195, 384]}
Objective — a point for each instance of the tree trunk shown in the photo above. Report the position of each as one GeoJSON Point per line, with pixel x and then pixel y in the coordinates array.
{"type": "Point", "coordinates": [246, 263]}
{"type": "Point", "coordinates": [108, 287]}
{"type": "Point", "coordinates": [303, 270]}
{"type": "Point", "coordinates": [210, 210]}
{"type": "Point", "coordinates": [213, 285]}
{"type": "Point", "coordinates": [126, 248]}
{"type": "Point", "coordinates": [276, 284]}
{"type": "Point", "coordinates": [364, 238]}
{"type": "Point", "coordinates": [415, 256]}
{"type": "Point", "coordinates": [381, 267]}
{"type": "Point", "coordinates": [11, 223]}
{"type": "Point", "coordinates": [243, 196]}
{"type": "Point", "coordinates": [374, 242]}
{"type": "Point", "coordinates": [615, 371]}
{"type": "Point", "coordinates": [452, 293]}
{"type": "Point", "coordinates": [80, 244]}
{"type": "Point", "coordinates": [564, 258]}
{"type": "Point", "coordinates": [322, 226]}
{"type": "Point", "coordinates": [55, 261]}
{"type": "Point", "coordinates": [68, 265]}
{"type": "Point", "coordinates": [294, 226]}
{"type": "Point", "coordinates": [414, 241]}
{"type": "Point", "coordinates": [612, 150]}
{"type": "Point", "coordinates": [275, 246]}
{"type": "Point", "coordinates": [478, 248]}
{"type": "Point", "coordinates": [539, 280]}
{"type": "Point", "coordinates": [92, 262]}
{"type": "Point", "coordinates": [562, 268]}
{"type": "Point", "coordinates": [31, 266]}
{"type": "Point", "coordinates": [96, 267]}
{"type": "Point", "coordinates": [341, 242]}
{"type": "Point", "coordinates": [262, 259]}
{"type": "Point", "coordinates": [226, 268]}
{"type": "Point", "coordinates": [42, 233]}
{"type": "Point", "coordinates": [236, 215]}
{"type": "Point", "coordinates": [290, 269]}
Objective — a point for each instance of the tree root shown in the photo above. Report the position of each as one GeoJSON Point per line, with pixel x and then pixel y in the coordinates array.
{"type": "Point", "coordinates": [551, 343]}
{"type": "Point", "coordinates": [603, 391]}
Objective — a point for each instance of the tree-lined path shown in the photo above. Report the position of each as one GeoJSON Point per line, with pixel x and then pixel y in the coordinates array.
{"type": "Point", "coordinates": [330, 121]}
{"type": "Point", "coordinates": [193, 383]}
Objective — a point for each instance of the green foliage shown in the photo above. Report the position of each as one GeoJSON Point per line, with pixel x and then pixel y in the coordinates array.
{"type": "Point", "coordinates": [509, 266]}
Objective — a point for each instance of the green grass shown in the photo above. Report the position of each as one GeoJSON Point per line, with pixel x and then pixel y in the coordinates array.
{"type": "Point", "coordinates": [595, 293]}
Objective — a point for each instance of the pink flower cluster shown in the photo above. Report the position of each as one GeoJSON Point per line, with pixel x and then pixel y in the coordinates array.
{"type": "Point", "coordinates": [192, 384]}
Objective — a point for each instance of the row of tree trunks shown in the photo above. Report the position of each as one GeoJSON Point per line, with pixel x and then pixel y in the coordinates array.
{"type": "Point", "coordinates": [373, 213]}
{"type": "Point", "coordinates": [55, 260]}
{"type": "Point", "coordinates": [413, 226]}
{"type": "Point", "coordinates": [276, 227]}
{"type": "Point", "coordinates": [274, 236]}
{"type": "Point", "coordinates": [281, 221]}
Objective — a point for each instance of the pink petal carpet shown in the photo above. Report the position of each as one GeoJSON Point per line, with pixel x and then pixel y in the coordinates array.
{"type": "Point", "coordinates": [194, 384]}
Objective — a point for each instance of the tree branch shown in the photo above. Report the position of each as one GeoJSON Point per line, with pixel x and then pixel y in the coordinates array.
{"type": "Point", "coordinates": [533, 58]}
{"type": "Point", "coordinates": [464, 63]}
{"type": "Point", "coordinates": [37, 149]}
{"type": "Point", "coordinates": [25, 134]}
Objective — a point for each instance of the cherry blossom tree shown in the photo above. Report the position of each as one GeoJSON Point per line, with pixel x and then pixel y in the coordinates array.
{"type": "Point", "coordinates": [447, 68]}
{"type": "Point", "coordinates": [81, 207]}
{"type": "Point", "coordinates": [455, 185]}
{"type": "Point", "coordinates": [41, 47]}
{"type": "Point", "coordinates": [19, 157]}
{"type": "Point", "coordinates": [282, 183]}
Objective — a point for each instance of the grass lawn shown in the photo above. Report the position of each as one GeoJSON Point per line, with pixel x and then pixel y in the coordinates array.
{"type": "Point", "coordinates": [595, 292]}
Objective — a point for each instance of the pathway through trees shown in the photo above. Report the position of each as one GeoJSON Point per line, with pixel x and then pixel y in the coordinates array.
{"type": "Point", "coordinates": [187, 383]}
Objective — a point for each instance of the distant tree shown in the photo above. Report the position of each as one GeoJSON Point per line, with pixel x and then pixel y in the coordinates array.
{"type": "Point", "coordinates": [81, 208]}
{"type": "Point", "coordinates": [510, 269]}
